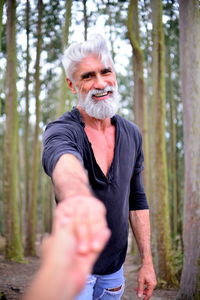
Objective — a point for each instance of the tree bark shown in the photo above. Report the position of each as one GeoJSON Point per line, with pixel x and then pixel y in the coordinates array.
{"type": "Point", "coordinates": [47, 203]}
{"type": "Point", "coordinates": [63, 105]}
{"type": "Point", "coordinates": [14, 250]}
{"type": "Point", "coordinates": [159, 199]}
{"type": "Point", "coordinates": [26, 123]}
{"type": "Point", "coordinates": [85, 18]}
{"type": "Point", "coordinates": [1, 15]}
{"type": "Point", "coordinates": [32, 221]}
{"type": "Point", "coordinates": [190, 93]}
{"type": "Point", "coordinates": [140, 107]}
{"type": "Point", "coordinates": [172, 149]}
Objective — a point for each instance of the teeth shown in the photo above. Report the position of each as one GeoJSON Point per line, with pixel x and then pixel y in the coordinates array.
{"type": "Point", "coordinates": [100, 94]}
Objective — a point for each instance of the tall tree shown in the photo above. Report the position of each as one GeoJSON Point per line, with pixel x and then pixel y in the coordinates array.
{"type": "Point", "coordinates": [14, 250]}
{"type": "Point", "coordinates": [26, 123]}
{"type": "Point", "coordinates": [172, 151]}
{"type": "Point", "coordinates": [172, 71]}
{"type": "Point", "coordinates": [159, 198]}
{"type": "Point", "coordinates": [140, 109]}
{"type": "Point", "coordinates": [64, 92]}
{"type": "Point", "coordinates": [1, 14]}
{"type": "Point", "coordinates": [190, 93]}
{"type": "Point", "coordinates": [85, 18]}
{"type": "Point", "coordinates": [47, 203]}
{"type": "Point", "coordinates": [32, 213]}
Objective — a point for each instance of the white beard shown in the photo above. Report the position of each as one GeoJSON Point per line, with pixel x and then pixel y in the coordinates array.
{"type": "Point", "coordinates": [100, 109]}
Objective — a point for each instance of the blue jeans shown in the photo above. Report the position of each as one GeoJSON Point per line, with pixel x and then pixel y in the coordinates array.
{"type": "Point", "coordinates": [97, 287]}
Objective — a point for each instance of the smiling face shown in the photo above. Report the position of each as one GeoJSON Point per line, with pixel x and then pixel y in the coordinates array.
{"type": "Point", "coordinates": [96, 87]}
{"type": "Point", "coordinates": [92, 74]}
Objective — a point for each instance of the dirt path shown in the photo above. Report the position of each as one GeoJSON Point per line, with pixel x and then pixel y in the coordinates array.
{"type": "Point", "coordinates": [14, 278]}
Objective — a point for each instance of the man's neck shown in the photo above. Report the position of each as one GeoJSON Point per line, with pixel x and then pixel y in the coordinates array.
{"type": "Point", "coordinates": [94, 123]}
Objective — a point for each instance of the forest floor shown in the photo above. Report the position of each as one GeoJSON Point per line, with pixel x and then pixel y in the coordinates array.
{"type": "Point", "coordinates": [14, 277]}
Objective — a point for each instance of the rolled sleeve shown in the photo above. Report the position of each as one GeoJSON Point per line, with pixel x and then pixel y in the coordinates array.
{"type": "Point", "coordinates": [58, 140]}
{"type": "Point", "coordinates": [137, 198]}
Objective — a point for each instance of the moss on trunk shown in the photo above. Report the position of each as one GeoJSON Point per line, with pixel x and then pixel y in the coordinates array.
{"type": "Point", "coordinates": [139, 100]}
{"type": "Point", "coordinates": [14, 249]}
{"type": "Point", "coordinates": [160, 197]}
{"type": "Point", "coordinates": [32, 213]}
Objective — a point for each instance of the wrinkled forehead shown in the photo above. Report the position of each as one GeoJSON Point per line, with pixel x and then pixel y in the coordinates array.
{"type": "Point", "coordinates": [93, 63]}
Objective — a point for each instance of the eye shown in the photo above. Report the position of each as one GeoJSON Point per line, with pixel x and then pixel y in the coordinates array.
{"type": "Point", "coordinates": [87, 76]}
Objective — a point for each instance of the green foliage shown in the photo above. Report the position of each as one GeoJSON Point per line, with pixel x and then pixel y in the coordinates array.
{"type": "Point", "coordinates": [177, 260]}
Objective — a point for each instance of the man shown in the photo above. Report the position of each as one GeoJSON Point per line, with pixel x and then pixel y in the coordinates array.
{"type": "Point", "coordinates": [95, 157]}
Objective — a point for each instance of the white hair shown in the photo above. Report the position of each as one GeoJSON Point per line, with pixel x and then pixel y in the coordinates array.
{"type": "Point", "coordinates": [77, 51]}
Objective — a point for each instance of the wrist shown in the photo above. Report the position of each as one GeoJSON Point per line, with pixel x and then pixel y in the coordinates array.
{"type": "Point", "coordinates": [147, 261]}
{"type": "Point", "coordinates": [84, 192]}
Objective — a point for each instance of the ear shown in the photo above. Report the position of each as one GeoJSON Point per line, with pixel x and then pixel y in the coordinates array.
{"type": "Point", "coordinates": [71, 85]}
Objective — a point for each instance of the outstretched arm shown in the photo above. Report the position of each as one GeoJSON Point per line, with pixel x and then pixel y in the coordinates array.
{"type": "Point", "coordinates": [71, 185]}
{"type": "Point", "coordinates": [140, 224]}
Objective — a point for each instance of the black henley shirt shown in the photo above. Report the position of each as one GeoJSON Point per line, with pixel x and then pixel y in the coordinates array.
{"type": "Point", "coordinates": [120, 191]}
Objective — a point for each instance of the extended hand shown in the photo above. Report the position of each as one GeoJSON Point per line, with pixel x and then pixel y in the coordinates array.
{"type": "Point", "coordinates": [64, 263]}
{"type": "Point", "coordinates": [146, 281]}
{"type": "Point", "coordinates": [89, 219]}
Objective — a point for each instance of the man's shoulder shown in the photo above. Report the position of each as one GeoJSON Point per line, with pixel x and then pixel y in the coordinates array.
{"type": "Point", "coordinates": [70, 118]}
{"type": "Point", "coordinates": [67, 124]}
{"type": "Point", "coordinates": [128, 125]}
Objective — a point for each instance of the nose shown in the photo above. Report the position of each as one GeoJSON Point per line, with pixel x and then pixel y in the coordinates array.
{"type": "Point", "coordinates": [100, 82]}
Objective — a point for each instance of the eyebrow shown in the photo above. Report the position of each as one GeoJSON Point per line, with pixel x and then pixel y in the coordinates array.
{"type": "Point", "coordinates": [106, 70]}
{"type": "Point", "coordinates": [87, 74]}
{"type": "Point", "coordinates": [92, 73]}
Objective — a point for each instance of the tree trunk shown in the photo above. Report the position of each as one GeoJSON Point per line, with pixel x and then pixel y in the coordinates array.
{"type": "Point", "coordinates": [1, 14]}
{"type": "Point", "coordinates": [111, 21]}
{"type": "Point", "coordinates": [64, 91]}
{"type": "Point", "coordinates": [26, 124]}
{"type": "Point", "coordinates": [85, 18]}
{"type": "Point", "coordinates": [172, 149]}
{"type": "Point", "coordinates": [140, 109]}
{"type": "Point", "coordinates": [190, 92]}
{"type": "Point", "coordinates": [47, 203]}
{"type": "Point", "coordinates": [160, 206]}
{"type": "Point", "coordinates": [14, 249]}
{"type": "Point", "coordinates": [32, 221]}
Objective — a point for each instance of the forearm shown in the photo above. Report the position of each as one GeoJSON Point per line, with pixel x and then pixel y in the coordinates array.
{"type": "Point", "coordinates": [45, 286]}
{"type": "Point", "coordinates": [70, 178]}
{"type": "Point", "coordinates": [140, 224]}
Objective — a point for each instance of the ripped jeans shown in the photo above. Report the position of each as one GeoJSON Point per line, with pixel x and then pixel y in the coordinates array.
{"type": "Point", "coordinates": [98, 287]}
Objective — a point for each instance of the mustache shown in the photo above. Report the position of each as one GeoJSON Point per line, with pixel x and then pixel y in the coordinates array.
{"type": "Point", "coordinates": [105, 90]}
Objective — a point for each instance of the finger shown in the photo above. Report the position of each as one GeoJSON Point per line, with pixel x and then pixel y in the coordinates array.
{"type": "Point", "coordinates": [44, 245]}
{"type": "Point", "coordinates": [98, 228]}
{"type": "Point", "coordinates": [100, 240]}
{"type": "Point", "coordinates": [99, 235]}
{"type": "Point", "coordinates": [148, 292]}
{"type": "Point", "coordinates": [140, 289]}
{"type": "Point", "coordinates": [62, 213]}
{"type": "Point", "coordinates": [82, 230]}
